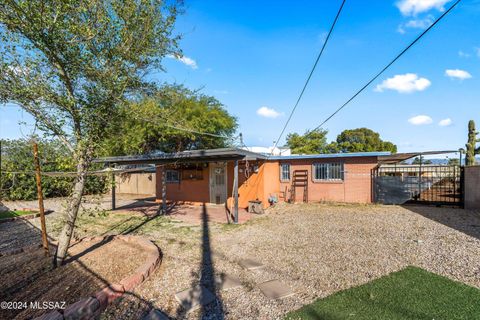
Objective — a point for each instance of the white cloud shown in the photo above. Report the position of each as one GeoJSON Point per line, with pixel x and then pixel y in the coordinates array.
{"type": "Point", "coordinates": [445, 122]}
{"type": "Point", "coordinates": [414, 7]}
{"type": "Point", "coordinates": [415, 24]}
{"type": "Point", "coordinates": [404, 83]}
{"type": "Point", "coordinates": [268, 112]}
{"type": "Point", "coordinates": [420, 120]}
{"type": "Point", "coordinates": [462, 54]}
{"type": "Point", "coordinates": [458, 74]}
{"type": "Point", "coordinates": [477, 50]}
{"type": "Point", "coordinates": [185, 60]}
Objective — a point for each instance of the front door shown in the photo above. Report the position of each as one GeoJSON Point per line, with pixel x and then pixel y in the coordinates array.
{"type": "Point", "coordinates": [218, 183]}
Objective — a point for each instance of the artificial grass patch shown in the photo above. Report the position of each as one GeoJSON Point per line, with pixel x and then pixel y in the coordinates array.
{"type": "Point", "coordinates": [14, 213]}
{"type": "Point", "coordinates": [411, 293]}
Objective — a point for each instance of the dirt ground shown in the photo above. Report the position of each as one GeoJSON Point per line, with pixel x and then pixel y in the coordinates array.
{"type": "Point", "coordinates": [91, 266]}
{"type": "Point", "coordinates": [314, 249]}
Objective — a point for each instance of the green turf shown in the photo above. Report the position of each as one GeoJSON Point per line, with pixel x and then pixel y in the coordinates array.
{"type": "Point", "coordinates": [411, 293]}
{"type": "Point", "coordinates": [14, 213]}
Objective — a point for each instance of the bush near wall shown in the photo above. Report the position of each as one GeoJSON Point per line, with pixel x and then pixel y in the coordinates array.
{"type": "Point", "coordinates": [17, 156]}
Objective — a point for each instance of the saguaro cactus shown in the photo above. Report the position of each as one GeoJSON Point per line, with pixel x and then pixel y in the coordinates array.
{"type": "Point", "coordinates": [471, 144]}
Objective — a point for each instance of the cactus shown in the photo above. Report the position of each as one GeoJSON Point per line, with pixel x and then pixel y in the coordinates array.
{"type": "Point", "coordinates": [471, 144]}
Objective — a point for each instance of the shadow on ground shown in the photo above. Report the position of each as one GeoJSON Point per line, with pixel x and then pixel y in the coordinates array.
{"type": "Point", "coordinates": [466, 221]}
{"type": "Point", "coordinates": [29, 276]}
{"type": "Point", "coordinates": [206, 269]}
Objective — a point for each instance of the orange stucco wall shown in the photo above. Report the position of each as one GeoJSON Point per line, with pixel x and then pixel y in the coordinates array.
{"type": "Point", "coordinates": [266, 182]}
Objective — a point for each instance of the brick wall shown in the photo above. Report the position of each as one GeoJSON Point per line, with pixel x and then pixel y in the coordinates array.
{"type": "Point", "coordinates": [356, 186]}
{"type": "Point", "coordinates": [191, 191]}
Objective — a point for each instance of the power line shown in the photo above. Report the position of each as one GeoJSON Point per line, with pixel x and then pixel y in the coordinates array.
{"type": "Point", "coordinates": [387, 66]}
{"type": "Point", "coordinates": [310, 75]}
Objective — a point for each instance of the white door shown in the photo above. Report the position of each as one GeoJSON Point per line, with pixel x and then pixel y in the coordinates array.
{"type": "Point", "coordinates": [218, 183]}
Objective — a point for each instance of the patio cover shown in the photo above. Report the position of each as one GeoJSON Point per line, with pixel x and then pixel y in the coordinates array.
{"type": "Point", "coordinates": [399, 157]}
{"type": "Point", "coordinates": [211, 155]}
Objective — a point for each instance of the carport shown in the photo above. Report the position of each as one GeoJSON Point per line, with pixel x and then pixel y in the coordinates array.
{"type": "Point", "coordinates": [204, 157]}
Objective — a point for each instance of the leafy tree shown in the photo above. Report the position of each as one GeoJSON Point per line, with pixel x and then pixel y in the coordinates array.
{"type": "Point", "coordinates": [363, 140]}
{"type": "Point", "coordinates": [18, 179]}
{"type": "Point", "coordinates": [311, 142]}
{"type": "Point", "coordinates": [149, 125]}
{"type": "Point", "coordinates": [72, 64]}
{"type": "Point", "coordinates": [420, 159]}
{"type": "Point", "coordinates": [472, 150]}
{"type": "Point", "coordinates": [356, 140]}
{"type": "Point", "coordinates": [453, 162]}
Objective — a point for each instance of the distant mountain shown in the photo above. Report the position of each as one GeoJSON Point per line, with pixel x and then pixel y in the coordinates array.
{"type": "Point", "coordinates": [444, 161]}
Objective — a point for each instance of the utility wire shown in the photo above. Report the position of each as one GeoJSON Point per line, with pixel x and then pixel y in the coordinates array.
{"type": "Point", "coordinates": [310, 75]}
{"type": "Point", "coordinates": [387, 66]}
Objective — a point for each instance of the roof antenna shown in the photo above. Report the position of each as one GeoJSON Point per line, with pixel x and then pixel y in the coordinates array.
{"type": "Point", "coordinates": [240, 136]}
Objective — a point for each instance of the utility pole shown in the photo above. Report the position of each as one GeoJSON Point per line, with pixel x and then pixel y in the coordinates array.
{"type": "Point", "coordinates": [40, 198]}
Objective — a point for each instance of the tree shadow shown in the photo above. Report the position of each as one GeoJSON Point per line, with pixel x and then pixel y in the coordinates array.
{"type": "Point", "coordinates": [30, 277]}
{"type": "Point", "coordinates": [466, 221]}
{"type": "Point", "coordinates": [214, 309]}
{"type": "Point", "coordinates": [18, 234]}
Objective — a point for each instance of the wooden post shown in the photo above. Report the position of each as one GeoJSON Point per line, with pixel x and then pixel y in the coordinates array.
{"type": "Point", "coordinates": [164, 190]}
{"type": "Point", "coordinates": [40, 198]}
{"type": "Point", "coordinates": [235, 191]}
{"type": "Point", "coordinates": [114, 202]}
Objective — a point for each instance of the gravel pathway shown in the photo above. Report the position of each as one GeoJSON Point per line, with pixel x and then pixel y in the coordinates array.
{"type": "Point", "coordinates": [314, 249]}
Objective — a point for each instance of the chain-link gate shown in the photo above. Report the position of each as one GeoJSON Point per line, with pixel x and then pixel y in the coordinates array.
{"type": "Point", "coordinates": [421, 184]}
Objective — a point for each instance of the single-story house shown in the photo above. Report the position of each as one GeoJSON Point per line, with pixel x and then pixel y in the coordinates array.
{"type": "Point", "coordinates": [208, 176]}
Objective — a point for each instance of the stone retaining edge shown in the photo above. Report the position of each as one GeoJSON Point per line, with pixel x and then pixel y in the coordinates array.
{"type": "Point", "coordinates": [92, 307]}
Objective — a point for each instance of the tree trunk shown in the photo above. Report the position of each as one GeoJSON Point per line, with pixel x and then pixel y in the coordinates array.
{"type": "Point", "coordinates": [83, 162]}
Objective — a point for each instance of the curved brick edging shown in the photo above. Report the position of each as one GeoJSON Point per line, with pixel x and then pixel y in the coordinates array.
{"type": "Point", "coordinates": [91, 307]}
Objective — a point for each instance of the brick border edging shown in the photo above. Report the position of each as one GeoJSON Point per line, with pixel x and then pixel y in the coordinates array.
{"type": "Point", "coordinates": [93, 306]}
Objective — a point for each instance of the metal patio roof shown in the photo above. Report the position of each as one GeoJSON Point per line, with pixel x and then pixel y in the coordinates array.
{"type": "Point", "coordinates": [225, 154]}
{"type": "Point", "coordinates": [329, 155]}
{"type": "Point", "coordinates": [399, 157]}
{"type": "Point", "coordinates": [222, 154]}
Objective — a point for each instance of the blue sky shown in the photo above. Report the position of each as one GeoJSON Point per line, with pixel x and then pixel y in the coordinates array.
{"type": "Point", "coordinates": [256, 55]}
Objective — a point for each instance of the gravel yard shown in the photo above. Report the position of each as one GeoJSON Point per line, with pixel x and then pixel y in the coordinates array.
{"type": "Point", "coordinates": [314, 249]}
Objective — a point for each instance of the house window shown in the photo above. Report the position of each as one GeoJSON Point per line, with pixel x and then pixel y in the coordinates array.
{"type": "Point", "coordinates": [285, 172]}
{"type": "Point", "coordinates": [172, 176]}
{"type": "Point", "coordinates": [327, 171]}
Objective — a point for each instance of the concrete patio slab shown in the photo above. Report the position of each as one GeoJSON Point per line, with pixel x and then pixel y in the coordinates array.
{"type": "Point", "coordinates": [274, 289]}
{"type": "Point", "coordinates": [191, 298]}
{"type": "Point", "coordinates": [250, 264]}
{"type": "Point", "coordinates": [226, 282]}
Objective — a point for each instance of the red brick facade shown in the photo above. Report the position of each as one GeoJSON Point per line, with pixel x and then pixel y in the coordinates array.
{"type": "Point", "coordinates": [356, 187]}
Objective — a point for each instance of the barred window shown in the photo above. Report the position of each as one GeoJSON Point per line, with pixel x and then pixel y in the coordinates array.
{"type": "Point", "coordinates": [172, 176]}
{"type": "Point", "coordinates": [328, 171]}
{"type": "Point", "coordinates": [285, 172]}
